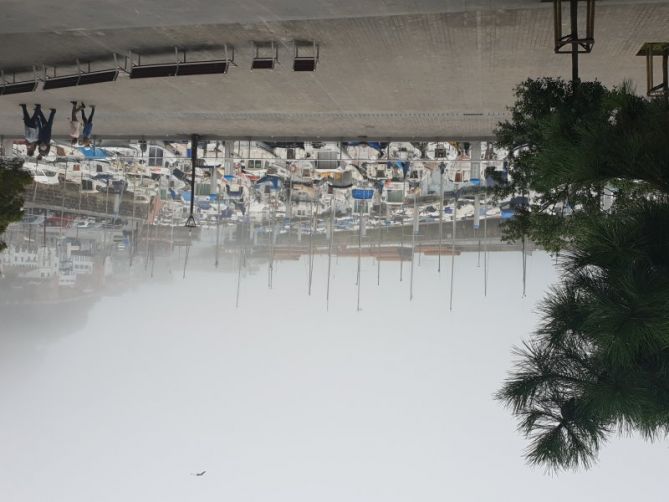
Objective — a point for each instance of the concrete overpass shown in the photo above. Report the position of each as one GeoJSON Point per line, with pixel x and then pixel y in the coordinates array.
{"type": "Point", "coordinates": [388, 69]}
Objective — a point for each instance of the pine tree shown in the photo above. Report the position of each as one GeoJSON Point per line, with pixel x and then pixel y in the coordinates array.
{"type": "Point", "coordinates": [600, 360]}
{"type": "Point", "coordinates": [13, 181]}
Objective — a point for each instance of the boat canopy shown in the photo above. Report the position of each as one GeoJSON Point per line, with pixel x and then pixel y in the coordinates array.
{"type": "Point", "coordinates": [93, 153]}
{"type": "Point", "coordinates": [362, 193]}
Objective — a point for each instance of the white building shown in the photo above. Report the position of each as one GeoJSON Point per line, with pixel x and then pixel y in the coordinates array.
{"type": "Point", "coordinates": [32, 262]}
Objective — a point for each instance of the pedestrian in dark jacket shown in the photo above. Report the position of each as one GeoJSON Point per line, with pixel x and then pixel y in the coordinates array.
{"type": "Point", "coordinates": [31, 128]}
{"type": "Point", "coordinates": [44, 136]}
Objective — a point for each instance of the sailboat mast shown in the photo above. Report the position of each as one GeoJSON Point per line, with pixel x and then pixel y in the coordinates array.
{"type": "Point", "coordinates": [441, 211]}
{"type": "Point", "coordinates": [185, 259]}
{"type": "Point", "coordinates": [359, 252]}
{"type": "Point", "coordinates": [413, 243]}
{"type": "Point", "coordinates": [218, 213]}
{"type": "Point", "coordinates": [239, 276]}
{"type": "Point", "coordinates": [455, 215]}
{"type": "Point", "coordinates": [378, 258]}
{"type": "Point", "coordinates": [485, 243]}
{"type": "Point", "coordinates": [524, 269]}
{"type": "Point", "coordinates": [311, 245]}
{"type": "Point", "coordinates": [332, 211]}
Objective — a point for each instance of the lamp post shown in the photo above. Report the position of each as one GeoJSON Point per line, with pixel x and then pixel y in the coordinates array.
{"type": "Point", "coordinates": [572, 43]}
{"type": "Point", "coordinates": [190, 222]}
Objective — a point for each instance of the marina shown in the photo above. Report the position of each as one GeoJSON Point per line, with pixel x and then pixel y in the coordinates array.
{"type": "Point", "coordinates": [342, 250]}
{"type": "Point", "coordinates": [136, 202]}
{"type": "Point", "coordinates": [285, 187]}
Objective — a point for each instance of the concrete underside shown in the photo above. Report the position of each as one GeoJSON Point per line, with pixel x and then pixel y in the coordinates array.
{"type": "Point", "coordinates": [389, 69]}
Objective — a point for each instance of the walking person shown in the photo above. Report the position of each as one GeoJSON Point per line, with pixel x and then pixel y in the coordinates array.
{"type": "Point", "coordinates": [45, 126]}
{"type": "Point", "coordinates": [31, 128]}
{"type": "Point", "coordinates": [88, 125]}
{"type": "Point", "coordinates": [75, 125]}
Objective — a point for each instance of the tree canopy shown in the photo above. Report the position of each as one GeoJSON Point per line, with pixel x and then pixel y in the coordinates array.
{"type": "Point", "coordinates": [572, 145]}
{"type": "Point", "coordinates": [13, 181]}
{"type": "Point", "coordinates": [599, 361]}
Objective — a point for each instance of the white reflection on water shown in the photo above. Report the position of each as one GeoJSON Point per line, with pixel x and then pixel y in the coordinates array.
{"type": "Point", "coordinates": [121, 398]}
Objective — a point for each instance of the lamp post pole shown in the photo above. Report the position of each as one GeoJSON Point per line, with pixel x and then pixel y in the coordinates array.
{"type": "Point", "coordinates": [574, 44]}
{"type": "Point", "coordinates": [193, 158]}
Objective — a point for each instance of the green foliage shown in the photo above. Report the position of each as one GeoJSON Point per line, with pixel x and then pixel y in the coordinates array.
{"type": "Point", "coordinates": [552, 232]}
{"type": "Point", "coordinates": [600, 360]}
{"type": "Point", "coordinates": [570, 144]}
{"type": "Point", "coordinates": [13, 181]}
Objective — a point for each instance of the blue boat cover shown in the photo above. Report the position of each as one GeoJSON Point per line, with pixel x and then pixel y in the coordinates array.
{"type": "Point", "coordinates": [92, 153]}
{"type": "Point", "coordinates": [362, 193]}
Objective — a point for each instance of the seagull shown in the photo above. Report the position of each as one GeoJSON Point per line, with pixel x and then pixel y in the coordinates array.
{"type": "Point", "coordinates": [197, 473]}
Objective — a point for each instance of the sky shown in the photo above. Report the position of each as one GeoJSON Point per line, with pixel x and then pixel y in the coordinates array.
{"type": "Point", "coordinates": [280, 400]}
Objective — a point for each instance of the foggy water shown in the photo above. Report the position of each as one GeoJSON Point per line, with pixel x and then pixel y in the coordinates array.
{"type": "Point", "coordinates": [123, 394]}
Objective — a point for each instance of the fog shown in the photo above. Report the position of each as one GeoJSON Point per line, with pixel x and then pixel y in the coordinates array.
{"type": "Point", "coordinates": [126, 394]}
